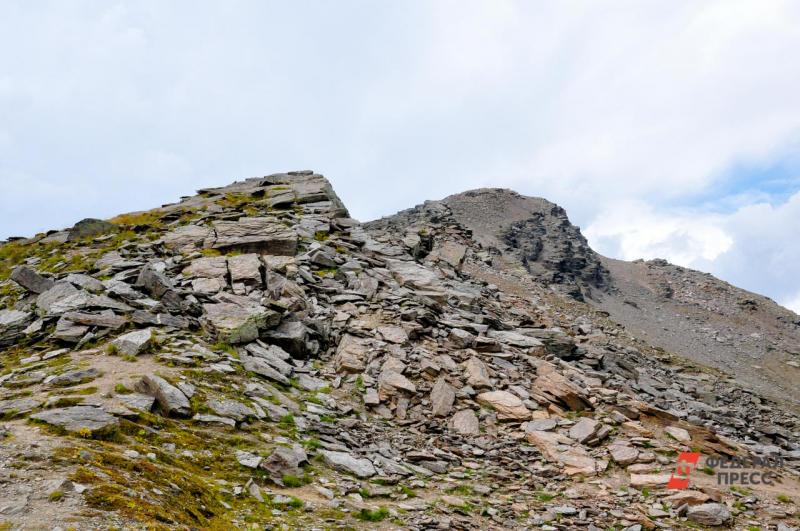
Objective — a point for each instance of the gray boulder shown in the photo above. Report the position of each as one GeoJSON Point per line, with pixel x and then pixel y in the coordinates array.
{"type": "Point", "coordinates": [86, 282]}
{"type": "Point", "coordinates": [283, 462]}
{"type": "Point", "coordinates": [345, 462]}
{"type": "Point", "coordinates": [294, 337]}
{"type": "Point", "coordinates": [155, 283]}
{"type": "Point", "coordinates": [69, 332]}
{"type": "Point", "coordinates": [12, 325]}
{"type": "Point", "coordinates": [442, 397]}
{"type": "Point", "coordinates": [18, 406]}
{"type": "Point", "coordinates": [237, 323]}
{"type": "Point", "coordinates": [88, 227]}
{"type": "Point", "coordinates": [230, 408]}
{"type": "Point", "coordinates": [83, 420]}
{"type": "Point", "coordinates": [169, 398]}
{"type": "Point", "coordinates": [58, 293]}
{"type": "Point", "coordinates": [134, 343]}
{"type": "Point", "coordinates": [709, 514]}
{"type": "Point", "coordinates": [31, 280]}
{"type": "Point", "coordinates": [69, 379]}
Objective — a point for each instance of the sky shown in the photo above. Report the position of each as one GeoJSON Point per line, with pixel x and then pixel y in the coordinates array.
{"type": "Point", "coordinates": [666, 128]}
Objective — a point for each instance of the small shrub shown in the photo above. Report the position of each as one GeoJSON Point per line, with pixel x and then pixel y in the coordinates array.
{"type": "Point", "coordinates": [375, 515]}
{"type": "Point", "coordinates": [292, 482]}
{"type": "Point", "coordinates": [295, 503]}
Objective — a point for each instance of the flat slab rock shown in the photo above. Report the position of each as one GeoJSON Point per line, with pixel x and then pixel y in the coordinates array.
{"type": "Point", "coordinates": [12, 325]}
{"type": "Point", "coordinates": [31, 280]}
{"type": "Point", "coordinates": [134, 343]}
{"type": "Point", "coordinates": [170, 399]}
{"type": "Point", "coordinates": [18, 406]}
{"type": "Point", "coordinates": [507, 406]}
{"type": "Point", "coordinates": [345, 462]}
{"type": "Point", "coordinates": [84, 420]}
{"type": "Point", "coordinates": [234, 323]}
{"type": "Point", "coordinates": [251, 234]}
{"type": "Point", "coordinates": [709, 514]}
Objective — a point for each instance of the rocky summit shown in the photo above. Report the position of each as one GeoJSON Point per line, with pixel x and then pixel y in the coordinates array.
{"type": "Point", "coordinates": [253, 358]}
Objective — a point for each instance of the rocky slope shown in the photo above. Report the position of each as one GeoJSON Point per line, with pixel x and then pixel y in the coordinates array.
{"type": "Point", "coordinates": [253, 358]}
{"type": "Point", "coordinates": [693, 314]}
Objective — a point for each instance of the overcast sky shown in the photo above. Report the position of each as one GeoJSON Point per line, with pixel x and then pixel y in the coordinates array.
{"type": "Point", "coordinates": [666, 129]}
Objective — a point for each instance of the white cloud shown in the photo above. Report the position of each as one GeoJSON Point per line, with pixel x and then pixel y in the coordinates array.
{"type": "Point", "coordinates": [624, 114]}
{"type": "Point", "coordinates": [752, 247]}
{"type": "Point", "coordinates": [794, 304]}
{"type": "Point", "coordinates": [634, 230]}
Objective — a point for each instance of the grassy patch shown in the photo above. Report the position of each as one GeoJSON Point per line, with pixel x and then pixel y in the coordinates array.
{"type": "Point", "coordinates": [408, 491]}
{"type": "Point", "coordinates": [286, 422]}
{"type": "Point", "coordinates": [544, 496]}
{"type": "Point", "coordinates": [294, 482]}
{"type": "Point", "coordinates": [373, 515]}
{"type": "Point", "coordinates": [462, 490]}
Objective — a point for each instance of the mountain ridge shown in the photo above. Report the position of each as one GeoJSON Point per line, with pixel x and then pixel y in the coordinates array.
{"type": "Point", "coordinates": [252, 357]}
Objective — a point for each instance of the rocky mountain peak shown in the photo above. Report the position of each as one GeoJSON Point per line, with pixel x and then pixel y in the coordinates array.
{"type": "Point", "coordinates": [251, 357]}
{"type": "Point", "coordinates": [529, 231]}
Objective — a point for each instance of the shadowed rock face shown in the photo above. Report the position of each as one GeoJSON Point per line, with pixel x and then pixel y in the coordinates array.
{"type": "Point", "coordinates": [555, 251]}
{"type": "Point", "coordinates": [253, 337]}
{"type": "Point", "coordinates": [530, 231]}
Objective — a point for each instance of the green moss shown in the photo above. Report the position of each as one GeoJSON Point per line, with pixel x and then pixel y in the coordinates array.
{"type": "Point", "coordinates": [463, 490]}
{"type": "Point", "coordinates": [543, 496]}
{"type": "Point", "coordinates": [295, 503]}
{"type": "Point", "coordinates": [314, 400]}
{"type": "Point", "coordinates": [55, 496]}
{"type": "Point", "coordinates": [374, 515]}
{"type": "Point", "coordinates": [9, 414]}
{"type": "Point", "coordinates": [68, 401]}
{"type": "Point", "coordinates": [151, 218]}
{"type": "Point", "coordinates": [293, 482]}
{"type": "Point", "coordinates": [408, 491]}
{"type": "Point", "coordinates": [312, 444]}
{"type": "Point", "coordinates": [225, 347]}
{"type": "Point", "coordinates": [121, 389]}
{"type": "Point", "coordinates": [783, 498]}
{"type": "Point", "coordinates": [13, 254]}
{"type": "Point", "coordinates": [286, 422]}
